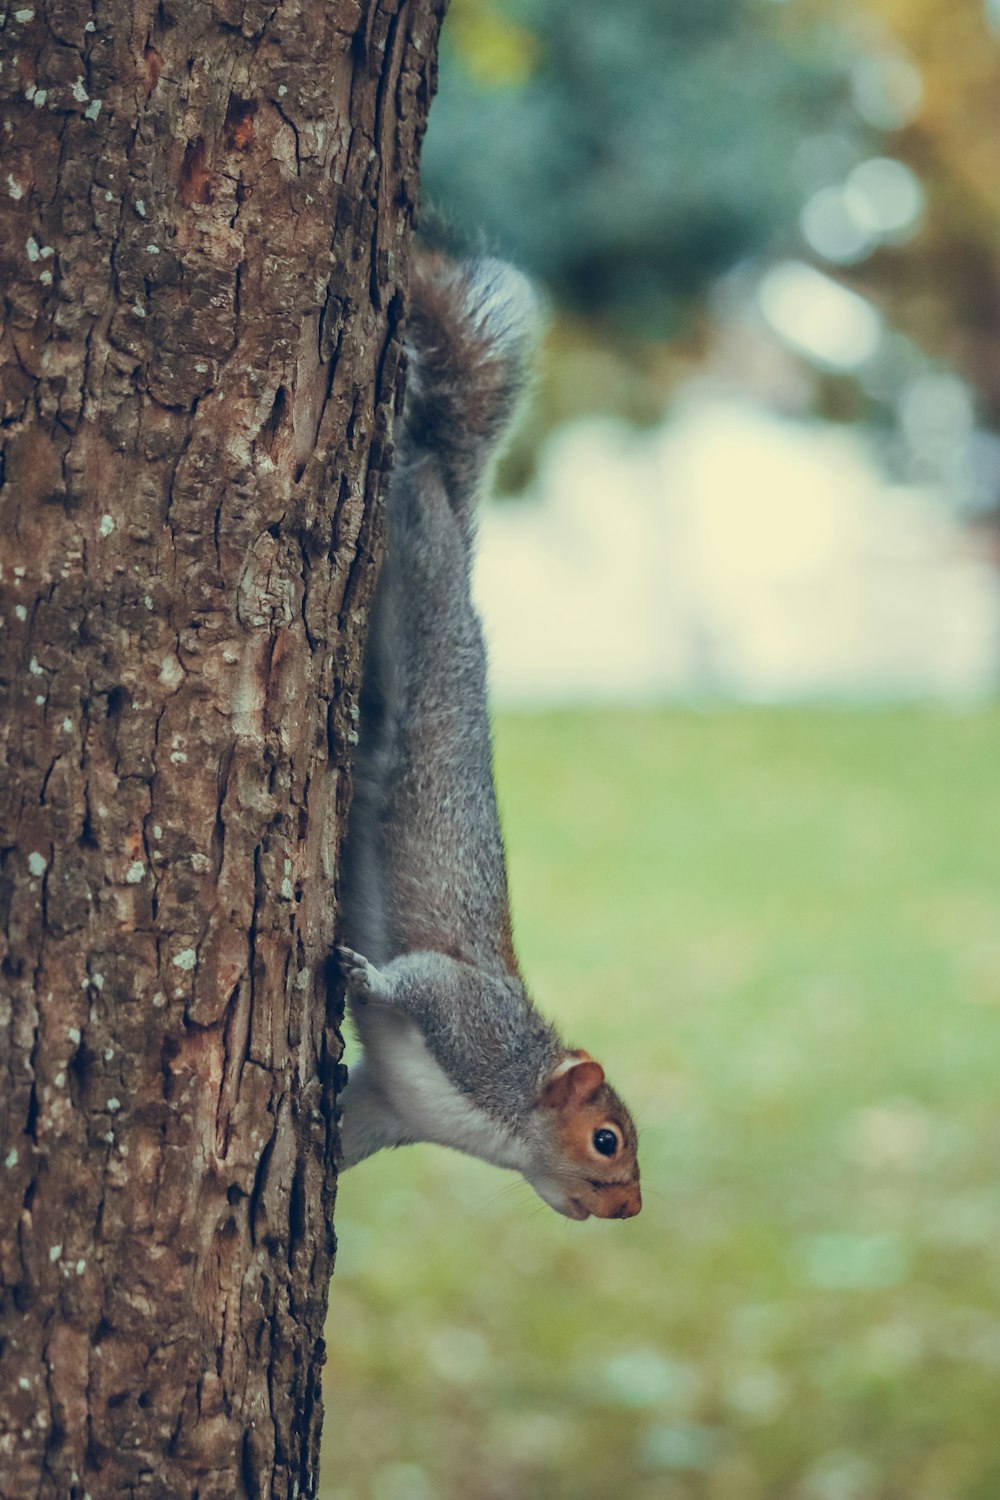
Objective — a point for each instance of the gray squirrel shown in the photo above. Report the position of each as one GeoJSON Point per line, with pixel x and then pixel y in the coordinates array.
{"type": "Point", "coordinates": [454, 1051]}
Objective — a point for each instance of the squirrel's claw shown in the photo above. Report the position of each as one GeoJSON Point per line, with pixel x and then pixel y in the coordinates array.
{"type": "Point", "coordinates": [360, 976]}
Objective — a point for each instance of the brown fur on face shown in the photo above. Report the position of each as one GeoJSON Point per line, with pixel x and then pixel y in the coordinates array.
{"type": "Point", "coordinates": [582, 1103]}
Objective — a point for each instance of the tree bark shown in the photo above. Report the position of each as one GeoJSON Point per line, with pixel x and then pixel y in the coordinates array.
{"type": "Point", "coordinates": [204, 217]}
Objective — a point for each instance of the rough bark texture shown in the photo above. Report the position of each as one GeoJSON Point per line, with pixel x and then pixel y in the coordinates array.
{"type": "Point", "coordinates": [204, 214]}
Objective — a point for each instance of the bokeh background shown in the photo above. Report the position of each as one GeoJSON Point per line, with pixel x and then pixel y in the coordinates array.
{"type": "Point", "coordinates": [744, 618]}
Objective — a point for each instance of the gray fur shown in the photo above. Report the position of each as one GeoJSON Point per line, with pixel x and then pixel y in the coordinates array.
{"type": "Point", "coordinates": [481, 1028]}
{"type": "Point", "coordinates": [425, 890]}
{"type": "Point", "coordinates": [473, 326]}
{"type": "Point", "coordinates": [454, 1049]}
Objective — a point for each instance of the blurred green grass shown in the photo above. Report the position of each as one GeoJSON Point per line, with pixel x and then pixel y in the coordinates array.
{"type": "Point", "coordinates": [779, 929]}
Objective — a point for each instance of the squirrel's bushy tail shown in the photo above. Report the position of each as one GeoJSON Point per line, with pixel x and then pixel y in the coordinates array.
{"type": "Point", "coordinates": [424, 852]}
{"type": "Point", "coordinates": [472, 328]}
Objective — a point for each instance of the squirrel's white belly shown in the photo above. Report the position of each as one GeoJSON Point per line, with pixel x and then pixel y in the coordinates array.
{"type": "Point", "coordinates": [422, 1094]}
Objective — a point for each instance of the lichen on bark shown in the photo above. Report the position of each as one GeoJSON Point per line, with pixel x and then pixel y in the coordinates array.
{"type": "Point", "coordinates": [204, 219]}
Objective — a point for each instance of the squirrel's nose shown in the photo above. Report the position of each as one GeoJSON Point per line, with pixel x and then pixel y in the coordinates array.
{"type": "Point", "coordinates": [628, 1205]}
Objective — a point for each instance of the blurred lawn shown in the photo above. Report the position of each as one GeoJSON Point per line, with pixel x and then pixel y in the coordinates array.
{"type": "Point", "coordinates": [780, 930]}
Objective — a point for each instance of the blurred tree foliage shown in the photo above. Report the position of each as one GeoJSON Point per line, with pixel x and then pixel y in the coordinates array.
{"type": "Point", "coordinates": [626, 154]}
{"type": "Point", "coordinates": [630, 155]}
{"type": "Point", "coordinates": [942, 285]}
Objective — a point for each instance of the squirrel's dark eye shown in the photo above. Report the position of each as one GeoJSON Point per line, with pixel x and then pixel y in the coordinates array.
{"type": "Point", "coordinates": [605, 1142]}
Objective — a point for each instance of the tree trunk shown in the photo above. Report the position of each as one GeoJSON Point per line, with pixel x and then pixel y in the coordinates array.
{"type": "Point", "coordinates": [204, 216]}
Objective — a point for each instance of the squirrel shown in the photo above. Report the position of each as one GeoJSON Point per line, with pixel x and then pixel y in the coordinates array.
{"type": "Point", "coordinates": [454, 1051]}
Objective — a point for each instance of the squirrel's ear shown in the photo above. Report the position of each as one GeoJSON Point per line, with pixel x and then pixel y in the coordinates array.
{"type": "Point", "coordinates": [575, 1079]}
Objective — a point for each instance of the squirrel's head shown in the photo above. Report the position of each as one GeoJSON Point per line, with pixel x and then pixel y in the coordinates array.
{"type": "Point", "coordinates": [586, 1159]}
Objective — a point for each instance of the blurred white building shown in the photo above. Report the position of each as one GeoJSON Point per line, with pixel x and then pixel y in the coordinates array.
{"type": "Point", "coordinates": [731, 553]}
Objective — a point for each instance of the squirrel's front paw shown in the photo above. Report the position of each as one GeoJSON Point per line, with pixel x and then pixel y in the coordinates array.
{"type": "Point", "coordinates": [361, 976]}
